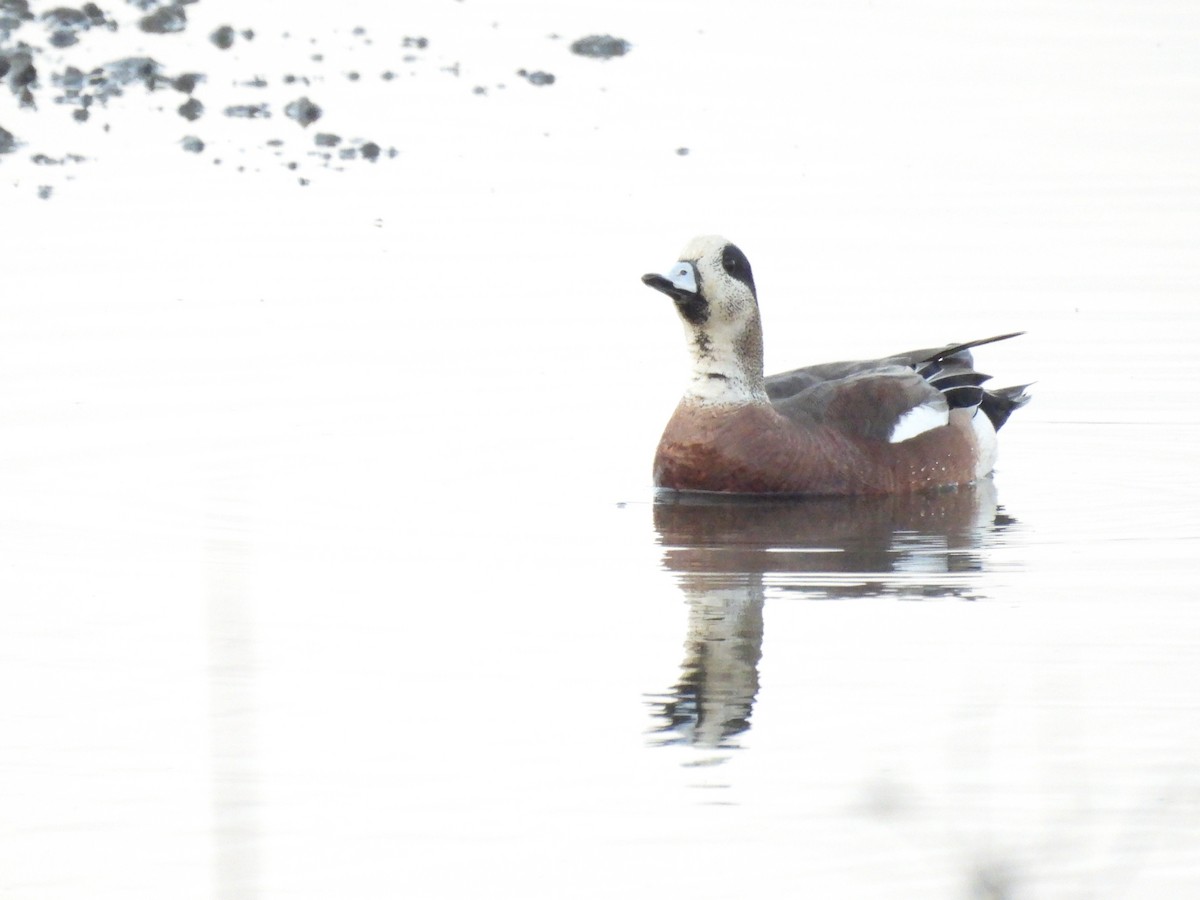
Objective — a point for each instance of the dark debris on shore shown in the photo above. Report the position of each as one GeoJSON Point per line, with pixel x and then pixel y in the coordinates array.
{"type": "Point", "coordinates": [35, 66]}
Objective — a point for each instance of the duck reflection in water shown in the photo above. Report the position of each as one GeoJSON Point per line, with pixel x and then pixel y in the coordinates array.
{"type": "Point", "coordinates": [727, 551]}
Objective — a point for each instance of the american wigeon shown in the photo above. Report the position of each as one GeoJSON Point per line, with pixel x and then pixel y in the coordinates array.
{"type": "Point", "coordinates": [909, 422]}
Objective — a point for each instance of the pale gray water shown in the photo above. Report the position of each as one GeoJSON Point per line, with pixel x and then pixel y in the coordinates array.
{"type": "Point", "coordinates": [330, 560]}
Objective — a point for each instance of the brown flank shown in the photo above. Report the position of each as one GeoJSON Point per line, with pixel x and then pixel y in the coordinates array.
{"type": "Point", "coordinates": [752, 449]}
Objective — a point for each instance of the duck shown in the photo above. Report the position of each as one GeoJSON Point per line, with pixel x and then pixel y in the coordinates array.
{"type": "Point", "coordinates": [914, 421]}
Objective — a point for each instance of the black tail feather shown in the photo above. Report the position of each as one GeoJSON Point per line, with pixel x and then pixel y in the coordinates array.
{"type": "Point", "coordinates": [953, 378]}
{"type": "Point", "coordinates": [951, 370]}
{"type": "Point", "coordinates": [957, 349]}
{"type": "Point", "coordinates": [963, 396]}
{"type": "Point", "coordinates": [1000, 403]}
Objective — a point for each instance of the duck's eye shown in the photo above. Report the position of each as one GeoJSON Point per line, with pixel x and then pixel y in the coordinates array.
{"type": "Point", "coordinates": [736, 265]}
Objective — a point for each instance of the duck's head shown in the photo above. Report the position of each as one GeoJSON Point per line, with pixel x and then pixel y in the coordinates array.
{"type": "Point", "coordinates": [713, 290]}
{"type": "Point", "coordinates": [711, 282]}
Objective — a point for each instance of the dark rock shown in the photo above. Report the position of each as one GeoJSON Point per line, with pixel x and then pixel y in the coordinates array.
{"type": "Point", "coordinates": [44, 191]}
{"type": "Point", "coordinates": [16, 66]}
{"type": "Point", "coordinates": [537, 78]}
{"type": "Point", "coordinates": [96, 16]}
{"type": "Point", "coordinates": [192, 109]}
{"type": "Point", "coordinates": [110, 80]}
{"type": "Point", "coordinates": [192, 144]}
{"type": "Point", "coordinates": [419, 42]}
{"type": "Point", "coordinates": [65, 24]}
{"type": "Point", "coordinates": [324, 139]}
{"type": "Point", "coordinates": [303, 111]}
{"type": "Point", "coordinates": [187, 82]}
{"type": "Point", "coordinates": [164, 20]}
{"type": "Point", "coordinates": [222, 38]}
{"type": "Point", "coordinates": [369, 150]}
{"type": "Point", "coordinates": [248, 111]}
{"type": "Point", "coordinates": [600, 46]}
{"type": "Point", "coordinates": [41, 159]}
{"type": "Point", "coordinates": [8, 143]}
{"type": "Point", "coordinates": [16, 8]}
{"type": "Point", "coordinates": [111, 77]}
{"type": "Point", "coordinates": [12, 14]}
{"type": "Point", "coordinates": [70, 80]}
{"type": "Point", "coordinates": [682, 151]}
{"type": "Point", "coordinates": [65, 17]}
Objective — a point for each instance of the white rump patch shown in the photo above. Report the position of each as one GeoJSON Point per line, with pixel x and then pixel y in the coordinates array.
{"type": "Point", "coordinates": [918, 420]}
{"type": "Point", "coordinates": [985, 439]}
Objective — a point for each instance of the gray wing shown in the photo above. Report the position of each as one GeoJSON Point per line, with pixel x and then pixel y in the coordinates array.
{"type": "Point", "coordinates": [866, 403]}
{"type": "Point", "coordinates": [868, 397]}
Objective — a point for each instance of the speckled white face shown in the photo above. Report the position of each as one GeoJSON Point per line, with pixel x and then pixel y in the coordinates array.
{"type": "Point", "coordinates": [725, 336]}
{"type": "Point", "coordinates": [722, 275]}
